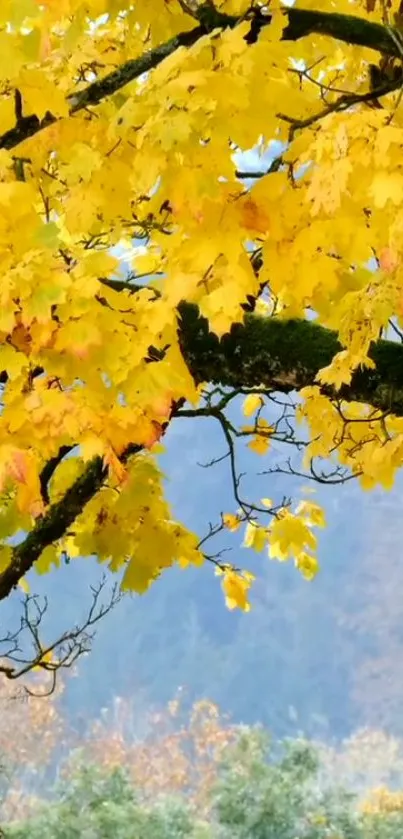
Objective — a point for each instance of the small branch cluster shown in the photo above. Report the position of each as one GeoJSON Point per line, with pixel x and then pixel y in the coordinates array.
{"type": "Point", "coordinates": [23, 651]}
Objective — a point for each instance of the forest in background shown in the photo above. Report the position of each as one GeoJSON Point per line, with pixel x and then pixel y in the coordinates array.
{"type": "Point", "coordinates": [176, 774]}
{"type": "Point", "coordinates": [172, 678]}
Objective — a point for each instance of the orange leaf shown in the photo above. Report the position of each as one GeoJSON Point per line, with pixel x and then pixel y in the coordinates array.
{"type": "Point", "coordinates": [254, 217]}
{"type": "Point", "coordinates": [388, 260]}
{"type": "Point", "coordinates": [114, 465]}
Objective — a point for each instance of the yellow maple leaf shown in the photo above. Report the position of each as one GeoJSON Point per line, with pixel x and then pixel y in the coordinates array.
{"type": "Point", "coordinates": [83, 162]}
{"type": "Point", "coordinates": [12, 360]}
{"type": "Point", "coordinates": [313, 513]}
{"type": "Point", "coordinates": [48, 558]}
{"type": "Point", "coordinates": [78, 337]}
{"type": "Point", "coordinates": [11, 55]}
{"type": "Point", "coordinates": [289, 535]}
{"type": "Point", "coordinates": [261, 440]}
{"type": "Point", "coordinates": [339, 372]}
{"type": "Point", "coordinates": [231, 522]}
{"type": "Point", "coordinates": [307, 564]}
{"type": "Point", "coordinates": [387, 186]}
{"type": "Point", "coordinates": [40, 94]}
{"type": "Point", "coordinates": [236, 588]}
{"type": "Point", "coordinates": [255, 536]}
{"type": "Point", "coordinates": [21, 466]}
{"type": "Point", "coordinates": [251, 404]}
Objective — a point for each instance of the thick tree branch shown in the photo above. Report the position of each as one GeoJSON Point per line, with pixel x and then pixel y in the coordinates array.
{"type": "Point", "coordinates": [56, 521]}
{"type": "Point", "coordinates": [281, 355]}
{"type": "Point", "coordinates": [347, 28]}
{"type": "Point", "coordinates": [301, 22]}
{"type": "Point", "coordinates": [95, 92]}
{"type": "Point", "coordinates": [53, 525]}
{"type": "Point", "coordinates": [49, 470]}
{"type": "Point", "coordinates": [286, 355]}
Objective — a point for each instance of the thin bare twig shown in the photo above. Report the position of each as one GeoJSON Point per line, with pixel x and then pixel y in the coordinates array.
{"type": "Point", "coordinates": [347, 100]}
{"type": "Point", "coordinates": [61, 653]}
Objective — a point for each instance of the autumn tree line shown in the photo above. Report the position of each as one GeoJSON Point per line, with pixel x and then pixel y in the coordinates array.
{"type": "Point", "coordinates": [188, 774]}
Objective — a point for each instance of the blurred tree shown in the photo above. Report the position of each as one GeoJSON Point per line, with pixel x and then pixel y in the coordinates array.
{"type": "Point", "coordinates": [262, 794]}
{"type": "Point", "coordinates": [170, 751]}
{"type": "Point", "coordinates": [383, 814]}
{"type": "Point", "coordinates": [32, 731]}
{"type": "Point", "coordinates": [98, 803]}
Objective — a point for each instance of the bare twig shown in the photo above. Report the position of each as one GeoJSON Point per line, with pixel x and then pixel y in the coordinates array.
{"type": "Point", "coordinates": [347, 100]}
{"type": "Point", "coordinates": [274, 166]}
{"type": "Point", "coordinates": [61, 653]}
{"type": "Point", "coordinates": [338, 475]}
{"type": "Point", "coordinates": [215, 410]}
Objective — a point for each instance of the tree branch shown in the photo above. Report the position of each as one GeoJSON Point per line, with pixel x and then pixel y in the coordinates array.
{"type": "Point", "coordinates": [301, 22]}
{"type": "Point", "coordinates": [286, 355]}
{"type": "Point", "coordinates": [56, 521]}
{"type": "Point", "coordinates": [279, 355]}
{"type": "Point", "coordinates": [102, 88]}
{"type": "Point", "coordinates": [25, 652]}
{"type": "Point", "coordinates": [347, 28]}
{"type": "Point", "coordinates": [49, 470]}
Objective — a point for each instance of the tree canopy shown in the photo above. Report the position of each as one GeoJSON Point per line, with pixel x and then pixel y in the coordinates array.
{"type": "Point", "coordinates": [147, 279]}
{"type": "Point", "coordinates": [260, 789]}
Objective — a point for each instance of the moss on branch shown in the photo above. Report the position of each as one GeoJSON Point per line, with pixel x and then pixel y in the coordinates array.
{"type": "Point", "coordinates": [347, 28]}
{"type": "Point", "coordinates": [286, 355]}
{"type": "Point", "coordinates": [282, 355]}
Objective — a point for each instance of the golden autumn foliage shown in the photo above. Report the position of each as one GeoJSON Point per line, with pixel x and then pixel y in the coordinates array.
{"type": "Point", "coordinates": [169, 751]}
{"type": "Point", "coordinates": [32, 729]}
{"type": "Point", "coordinates": [368, 759]}
{"type": "Point", "coordinates": [118, 126]}
{"type": "Point", "coordinates": [383, 801]}
{"type": "Point", "coordinates": [172, 751]}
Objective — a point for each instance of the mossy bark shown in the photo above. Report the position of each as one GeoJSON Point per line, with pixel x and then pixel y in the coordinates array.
{"type": "Point", "coordinates": [347, 28]}
{"type": "Point", "coordinates": [286, 355]}
{"type": "Point", "coordinates": [281, 355]}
